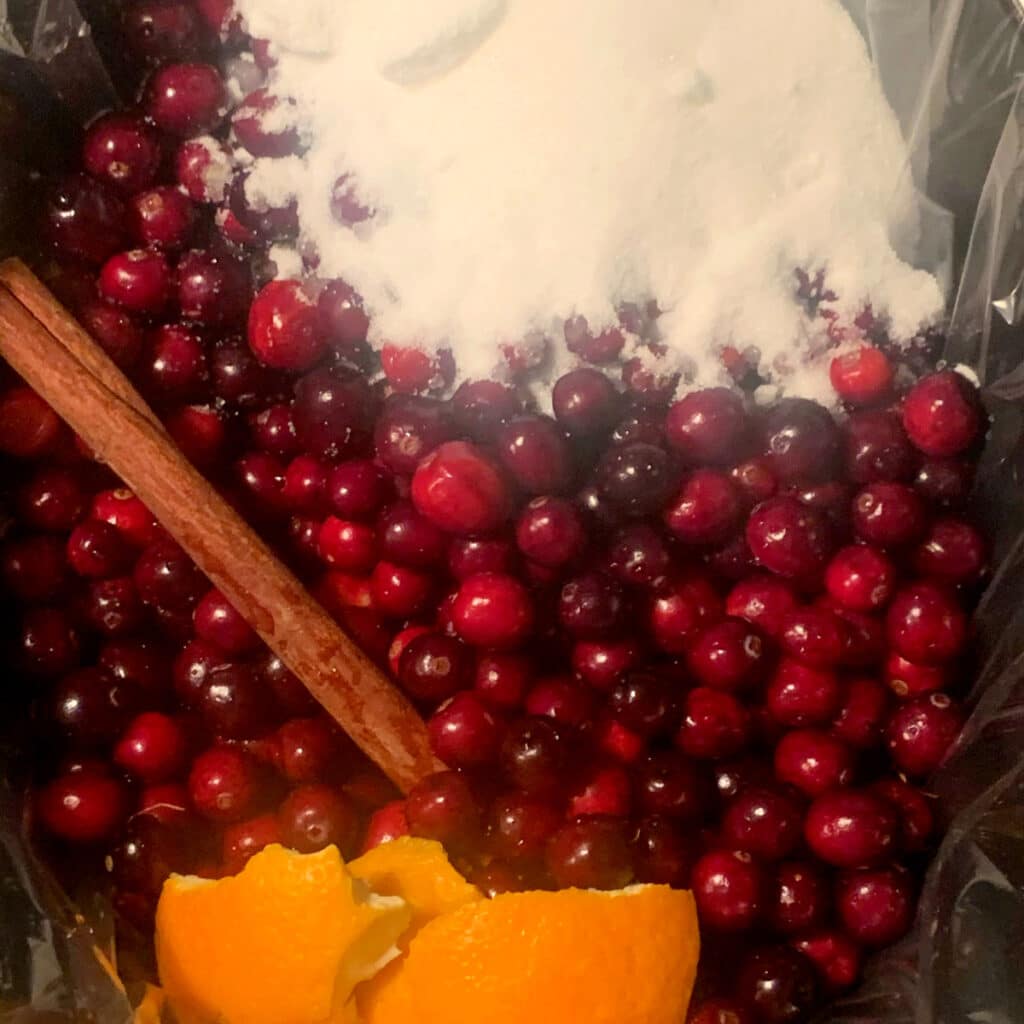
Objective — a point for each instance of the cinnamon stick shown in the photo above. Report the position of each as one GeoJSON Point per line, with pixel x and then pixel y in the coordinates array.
{"type": "Point", "coordinates": [70, 372]}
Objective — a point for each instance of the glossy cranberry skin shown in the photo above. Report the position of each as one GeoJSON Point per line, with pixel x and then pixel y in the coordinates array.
{"type": "Point", "coordinates": [763, 601]}
{"type": "Point", "coordinates": [218, 622]}
{"type": "Point", "coordinates": [233, 703]}
{"type": "Point", "coordinates": [862, 376]}
{"type": "Point", "coordinates": [121, 150]}
{"type": "Point", "coordinates": [789, 538]}
{"type": "Point", "coordinates": [952, 552]}
{"type": "Point", "coordinates": [501, 680]}
{"type": "Point", "coordinates": [273, 431]}
{"type": "Point", "coordinates": [411, 427]}
{"type": "Point", "coordinates": [877, 448]}
{"type": "Point", "coordinates": [313, 817]}
{"type": "Point", "coordinates": [800, 439]}
{"type": "Point", "coordinates": [260, 478]}
{"type": "Point", "coordinates": [589, 853]}
{"type": "Point", "coordinates": [729, 889]}
{"type": "Point", "coordinates": [333, 412]}
{"type": "Point", "coordinates": [144, 854]}
{"type": "Point", "coordinates": [668, 784]}
{"type": "Point", "coordinates": [112, 606]}
{"type": "Point", "coordinates": [480, 407]}
{"type": "Point", "coordinates": [386, 824]}
{"type": "Point", "coordinates": [358, 489]}
{"type": "Point", "coordinates": [562, 698]}
{"type": "Point", "coordinates": [468, 556]}
{"type": "Point", "coordinates": [242, 840]}
{"type": "Point", "coordinates": [662, 853]}
{"type": "Point", "coordinates": [176, 368]}
{"type": "Point", "coordinates": [52, 499]}
{"type": "Point", "coordinates": [167, 578]}
{"type": "Point", "coordinates": [908, 679]}
{"type": "Point", "coordinates": [222, 784]}
{"type": "Point", "coordinates": [186, 99]}
{"type": "Point", "coordinates": [851, 828]}
{"type": "Point", "coordinates": [729, 655]}
{"type": "Point", "coordinates": [409, 538]}
{"type": "Point", "coordinates": [81, 807]}
{"type": "Point", "coordinates": [443, 807]}
{"type": "Point", "coordinates": [715, 724]}
{"type": "Point", "coordinates": [812, 760]}
{"type": "Point", "coordinates": [434, 667]}
{"type": "Point", "coordinates": [286, 330]}
{"type": "Point", "coordinates": [84, 219]}
{"type": "Point", "coordinates": [309, 749]}
{"type": "Point", "coordinates": [637, 479]}
{"type": "Point", "coordinates": [535, 453]}
{"type": "Point", "coordinates": [213, 289]}
{"type": "Point", "coordinates": [590, 605]}
{"type": "Point", "coordinates": [860, 578]}
{"type": "Point", "coordinates": [797, 898]}
{"type": "Point", "coordinates": [117, 332]}
{"type": "Point", "coordinates": [602, 663]}
{"type": "Point", "coordinates": [291, 696]}
{"type": "Point", "coordinates": [464, 733]}
{"type": "Point", "coordinates": [638, 555]}
{"type": "Point", "coordinates": [535, 754]}
{"type": "Point", "coordinates": [875, 906]}
{"type": "Point", "coordinates": [397, 591]}
{"type": "Point", "coordinates": [47, 644]}
{"type": "Point", "coordinates": [926, 624]}
{"type": "Point", "coordinates": [192, 668]}
{"type": "Point", "coordinates": [945, 482]}
{"type": "Point", "coordinates": [350, 547]}
{"type": "Point", "coordinates": [762, 821]}
{"type": "Point", "coordinates": [680, 608]}
{"type": "Point", "coordinates": [519, 826]}
{"type": "Point", "coordinates": [645, 703]}
{"type": "Point", "coordinates": [778, 984]}
{"type": "Point", "coordinates": [799, 695]}
{"type": "Point", "coordinates": [34, 567]}
{"type": "Point", "coordinates": [549, 532]}
{"type": "Point", "coordinates": [706, 510]}
{"type": "Point", "coordinates": [601, 790]}
{"type": "Point", "coordinates": [941, 414]}
{"type": "Point", "coordinates": [153, 748]}
{"type": "Point", "coordinates": [920, 732]}
{"type": "Point", "coordinates": [493, 610]}
{"type": "Point", "coordinates": [162, 218]}
{"type": "Point", "coordinates": [708, 426]}
{"type": "Point", "coordinates": [887, 514]}
{"type": "Point", "coordinates": [813, 636]}
{"type": "Point", "coordinates": [585, 402]}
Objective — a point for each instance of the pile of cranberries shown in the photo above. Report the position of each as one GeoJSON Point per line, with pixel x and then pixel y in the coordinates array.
{"type": "Point", "coordinates": [692, 641]}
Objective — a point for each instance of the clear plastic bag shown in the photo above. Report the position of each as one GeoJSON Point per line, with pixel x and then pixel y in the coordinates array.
{"type": "Point", "coordinates": [951, 70]}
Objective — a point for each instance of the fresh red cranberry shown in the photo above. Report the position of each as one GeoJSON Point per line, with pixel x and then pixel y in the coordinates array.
{"type": "Point", "coordinates": [662, 853]}
{"type": "Point", "coordinates": [239, 380]}
{"type": "Point", "coordinates": [286, 330]}
{"type": "Point", "coordinates": [139, 280]}
{"type": "Point", "coordinates": [646, 703]}
{"type": "Point", "coordinates": [813, 761]}
{"type": "Point", "coordinates": [728, 655]}
{"type": "Point", "coordinates": [585, 401]}
{"type": "Point", "coordinates": [863, 710]}
{"type": "Point", "coordinates": [851, 828]}
{"type": "Point", "coordinates": [797, 898]}
{"type": "Point", "coordinates": [358, 489]}
{"type": "Point", "coordinates": [464, 733]}
{"type": "Point", "coordinates": [762, 821]}
{"type": "Point", "coordinates": [637, 479]}
{"type": "Point", "coordinates": [28, 426]}
{"type": "Point", "coordinates": [888, 514]}
{"type": "Point", "coordinates": [708, 426]}
{"type": "Point", "coordinates": [908, 679]}
{"type": "Point", "coordinates": [754, 479]}
{"type": "Point", "coordinates": [715, 724]}
{"type": "Point", "coordinates": [590, 605]}
{"type": "Point", "coordinates": [763, 601]}
{"type": "Point", "coordinates": [469, 556]}
{"type": "Point", "coordinates": [409, 538]}
{"type": "Point", "coordinates": [479, 407]}
{"type": "Point", "coordinates": [219, 623]}
{"type": "Point", "coordinates": [670, 785]}
{"type": "Point", "coordinates": [535, 453]}
{"type": "Point", "coordinates": [410, 428]}
{"type": "Point", "coordinates": [81, 807]}
{"type": "Point", "coordinates": [121, 150]}
{"type": "Point", "coordinates": [350, 547]}
{"type": "Point", "coordinates": [305, 480]}
{"type": "Point", "coordinates": [561, 698]}
{"type": "Point", "coordinates": [186, 99]}
{"type": "Point", "coordinates": [158, 30]}
{"type": "Point", "coordinates": [729, 890]}
{"type": "Point", "coordinates": [493, 610]}
{"type": "Point", "coordinates": [836, 958]}
{"type": "Point", "coordinates": [398, 591]}
{"type": "Point", "coordinates": [862, 376]}
{"type": "Point", "coordinates": [112, 606]}
{"type": "Point", "coordinates": [97, 550]}
{"type": "Point", "coordinates": [84, 219]}
{"type": "Point", "coordinates": [386, 824]}
{"type": "Point", "coordinates": [612, 738]}
{"type": "Point", "coordinates": [47, 644]}
{"type": "Point", "coordinates": [877, 448]}
{"type": "Point", "coordinates": [434, 667]}
{"type": "Point", "coordinates": [945, 482]}
{"type": "Point", "coordinates": [800, 439]}
{"type": "Point", "coordinates": [410, 369]}
{"type": "Point", "coordinates": [778, 984]}
{"type": "Point", "coordinates": [242, 840]}
{"type": "Point", "coordinates": [161, 218]}
{"type": "Point", "coordinates": [290, 694]}
{"type": "Point", "coordinates": [864, 635]}
{"type": "Point", "coordinates": [263, 125]}
{"type": "Point", "coordinates": [501, 680]}
{"type": "Point", "coordinates": [192, 669]}
{"type": "Point", "coordinates": [233, 703]}
{"type": "Point", "coordinates": [145, 853]}
{"type": "Point", "coordinates": [789, 538]}
{"type": "Point", "coordinates": [140, 664]}
{"type": "Point", "coordinates": [201, 432]}
{"type": "Point", "coordinates": [590, 853]}
{"type": "Point", "coordinates": [153, 747]}
{"type": "Point", "coordinates": [333, 412]}
{"type": "Point", "coordinates": [309, 747]}
{"type": "Point", "coordinates": [680, 608]}
{"type": "Point", "coordinates": [535, 754]}
{"type": "Point", "coordinates": [641, 425]}
{"type": "Point", "coordinates": [602, 790]}
{"type": "Point", "coordinates": [315, 816]}
{"type": "Point", "coordinates": [926, 624]}
{"type": "Point", "coordinates": [860, 578]}
{"type": "Point", "coordinates": [952, 552]}
{"type": "Point", "coordinates": [342, 310]}
{"type": "Point", "coordinates": [176, 367]}
{"type": "Point", "coordinates": [53, 498]}
{"type": "Point", "coordinates": [920, 732]}
{"type": "Point", "coordinates": [167, 578]}
{"type": "Point", "coordinates": [222, 784]}
{"type": "Point", "coordinates": [550, 532]}
{"type": "Point", "coordinates": [519, 826]}
{"type": "Point", "coordinates": [443, 807]}
{"type": "Point", "coordinates": [814, 636]}
{"type": "Point", "coordinates": [799, 695]}
{"type": "Point", "coordinates": [33, 567]}
{"type": "Point", "coordinates": [917, 819]}
{"type": "Point", "coordinates": [941, 414]}
{"type": "Point", "coordinates": [638, 555]}
{"type": "Point", "coordinates": [213, 289]}
{"type": "Point", "coordinates": [706, 510]}
{"type": "Point", "coordinates": [719, 1011]}
{"type": "Point", "coordinates": [875, 906]}
{"type": "Point", "coordinates": [118, 333]}
{"type": "Point", "coordinates": [602, 663]}
{"type": "Point", "coordinates": [273, 430]}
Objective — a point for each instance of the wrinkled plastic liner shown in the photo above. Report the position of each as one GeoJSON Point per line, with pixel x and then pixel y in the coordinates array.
{"type": "Point", "coordinates": [951, 71]}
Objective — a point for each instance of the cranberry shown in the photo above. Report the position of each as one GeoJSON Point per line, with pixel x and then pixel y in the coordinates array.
{"type": "Point", "coordinates": [945, 482]}
{"type": "Point", "coordinates": [952, 552]}
{"type": "Point", "coordinates": [305, 479]}
{"type": "Point", "coordinates": [47, 643]}
{"type": "Point", "coordinates": [800, 439]}
{"type": "Point", "coordinates": [645, 703]}
{"type": "Point", "coordinates": [888, 515]}
{"type": "Point", "coordinates": [219, 623]}
{"type": "Point", "coordinates": [778, 984]}
{"type": "Point", "coordinates": [309, 748]}
{"type": "Point", "coordinates": [410, 539]}
{"type": "Point", "coordinates": [519, 826]}
{"type": "Point", "coordinates": [851, 828]}
{"type": "Point", "coordinates": [397, 591]}
{"type": "Point", "coordinates": [232, 702]}
{"type": "Point", "coordinates": [602, 347]}
{"type": "Point", "coordinates": [289, 693]}
{"type": "Point", "coordinates": [561, 698]}
{"type": "Point", "coordinates": [146, 852]}
{"type": "Point", "coordinates": [729, 655]}
{"type": "Point", "coordinates": [358, 489]}
{"type": "Point", "coordinates": [213, 289]}
{"type": "Point", "coordinates": [907, 679]}
{"type": "Point", "coordinates": [706, 510]}
{"type": "Point", "coordinates": [176, 365]}
{"type": "Point", "coordinates": [763, 601]}
{"type": "Point", "coordinates": [222, 784]}
{"type": "Point", "coordinates": [84, 219]}
{"type": "Point", "coordinates": [464, 733]}
{"type": "Point", "coordinates": [186, 99]}
{"type": "Point", "coordinates": [590, 853]}
{"type": "Point", "coordinates": [875, 906]}
{"type": "Point", "coordinates": [602, 663]}
{"type": "Point", "coordinates": [877, 448]}
{"type": "Point", "coordinates": [799, 695]}
{"type": "Point", "coordinates": [28, 426]}
{"type": "Point", "coordinates": [680, 609]}
{"type": "Point", "coordinates": [637, 479]}
{"type": "Point", "coordinates": [761, 821]}
{"type": "Point", "coordinates": [160, 29]}
{"type": "Point", "coordinates": [386, 824]}
{"type": "Point", "coordinates": [333, 412]}
{"type": "Point", "coordinates": [263, 126]}
{"type": "Point", "coordinates": [714, 725]}
{"type": "Point", "coordinates": [350, 547]}
{"type": "Point", "coordinates": [600, 790]}
{"type": "Point", "coordinates": [862, 376]}
{"type": "Point", "coordinates": [642, 424]}
{"type": "Point", "coordinates": [789, 538]}
{"type": "Point", "coordinates": [118, 334]}
{"type": "Point", "coordinates": [860, 578]}
{"type": "Point", "coordinates": [662, 854]}
{"type": "Point", "coordinates": [585, 401]}
{"type": "Point", "coordinates": [167, 578]}
{"type": "Point", "coordinates": [315, 816]}
{"type": "Point", "coordinates": [203, 169]}
{"type": "Point", "coordinates": [708, 426]}
{"type": "Point", "coordinates": [112, 606]}
{"type": "Point", "coordinates": [81, 807]}
{"type": "Point", "coordinates": [162, 218]}
{"type": "Point", "coordinates": [813, 761]}
{"type": "Point", "coordinates": [434, 667]}
{"type": "Point", "coordinates": [797, 898]}
{"type": "Point", "coordinates": [729, 890]}
{"type": "Point", "coordinates": [52, 499]}
{"type": "Point", "coordinates": [33, 567]}
{"type": "Point", "coordinates": [192, 669]}
{"type": "Point", "coordinates": [549, 532]}
{"type": "Point", "coordinates": [201, 433]}
{"type": "Point", "coordinates": [501, 679]}
{"type": "Point", "coordinates": [668, 784]}
{"type": "Point", "coordinates": [286, 330]}
{"type": "Point", "coordinates": [755, 480]}
{"type": "Point", "coordinates": [535, 754]}
{"type": "Point", "coordinates": [611, 737]}
{"type": "Point", "coordinates": [863, 709]}
{"type": "Point", "coordinates": [835, 956]}
{"type": "Point", "coordinates": [261, 479]}
{"type": "Point", "coordinates": [273, 430]}
{"type": "Point", "coordinates": [121, 150]}
{"type": "Point", "coordinates": [443, 807]}
{"type": "Point", "coordinates": [926, 624]}
{"type": "Point", "coordinates": [590, 605]}
{"type": "Point", "coordinates": [152, 748]}
{"type": "Point", "coordinates": [814, 636]}
{"type": "Point", "coordinates": [535, 453]}
{"type": "Point", "coordinates": [410, 427]}
{"type": "Point", "coordinates": [342, 310]}
{"type": "Point", "coordinates": [493, 610]}
{"type": "Point", "coordinates": [921, 731]}
{"type": "Point", "coordinates": [242, 840]}
{"type": "Point", "coordinates": [410, 369]}
{"type": "Point", "coordinates": [941, 414]}
{"type": "Point", "coordinates": [479, 407]}
{"type": "Point", "coordinates": [638, 555]}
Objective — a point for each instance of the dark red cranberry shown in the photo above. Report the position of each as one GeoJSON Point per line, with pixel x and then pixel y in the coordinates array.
{"type": "Point", "coordinates": [286, 330]}
{"type": "Point", "coordinates": [789, 538]}
{"type": "Point", "coordinates": [876, 906]}
{"type": "Point", "coordinates": [799, 695]}
{"type": "Point", "coordinates": [941, 414]}
{"type": "Point", "coordinates": [305, 480]}
{"type": "Point", "coordinates": [118, 333]}
{"type": "Point", "coordinates": [333, 412]}
{"type": "Point", "coordinates": [602, 663]}
{"type": "Point", "coordinates": [145, 853]}
{"type": "Point", "coordinates": [535, 754]}
{"type": "Point", "coordinates": [706, 510]}
{"type": "Point", "coordinates": [851, 828]}
{"type": "Point", "coordinates": [316, 816]}
{"type": "Point", "coordinates": [123, 151]}
{"type": "Point", "coordinates": [863, 710]}
{"type": "Point", "coordinates": [358, 489]}
{"type": "Point", "coordinates": [158, 30]}
{"type": "Point", "coordinates": [410, 539]}
{"type": "Point", "coordinates": [139, 280]}
{"type": "Point", "coordinates": [464, 733]}
{"type": "Point", "coordinates": [708, 426]}
{"type": "Point", "coordinates": [443, 807]}
{"type": "Point", "coordinates": [534, 451]}
{"type": "Point", "coordinates": [729, 777]}
{"type": "Point", "coordinates": [877, 448]}
{"type": "Point", "coordinates": [153, 748]}
{"type": "Point", "coordinates": [47, 643]}
{"type": "Point", "coordinates": [952, 552]}
{"type": "Point", "coordinates": [273, 430]}
{"type": "Point", "coordinates": [637, 479]}
{"type": "Point", "coordinates": [519, 826]}
{"type": "Point", "coordinates": [232, 702]}
{"type": "Point", "coordinates": [242, 840]}
{"type": "Point", "coordinates": [836, 958]}
{"type": "Point", "coordinates": [920, 732]}
{"type": "Point", "coordinates": [864, 636]}
{"type": "Point", "coordinates": [162, 218]}
{"type": "Point", "coordinates": [602, 347]}
{"type": "Point", "coordinates": [350, 547]}
{"type": "Point", "coordinates": [778, 984]}
{"type": "Point", "coordinates": [28, 426]}
{"type": "Point", "coordinates": [813, 760]}
{"type": "Point", "coordinates": [590, 853]}
{"type": "Point", "coordinates": [201, 432]}
{"type": "Point", "coordinates": [860, 578]}
{"type": "Point", "coordinates": [291, 696]}
{"type": "Point", "coordinates": [668, 784]}
{"type": "Point", "coordinates": [714, 725]}
{"type": "Point", "coordinates": [89, 708]}
{"type": "Point", "coordinates": [645, 703]}
{"type": "Point", "coordinates": [585, 401]}
{"type": "Point", "coordinates": [33, 567]}
{"type": "Point", "coordinates": [797, 898]}
{"type": "Point", "coordinates": [176, 367]}
{"type": "Point", "coordinates": [386, 824]}
{"type": "Point", "coordinates": [238, 379]}
{"type": "Point", "coordinates": [112, 606]}
{"type": "Point", "coordinates": [612, 738]}
{"type": "Point", "coordinates": [926, 624]}
{"type": "Point", "coordinates": [680, 608]}
{"type": "Point", "coordinates": [493, 610]}
{"type": "Point", "coordinates": [213, 289]}
{"type": "Point", "coordinates": [140, 664]}
{"type": "Point", "coordinates": [344, 317]}
{"type": "Point", "coordinates": [53, 498]}
{"type": "Point", "coordinates": [729, 655]}
{"type": "Point", "coordinates": [97, 550]}
{"type": "Point", "coordinates": [501, 680]}
{"type": "Point", "coordinates": [600, 790]}
{"type": "Point", "coordinates": [861, 376]}
{"type": "Point", "coordinates": [260, 481]}
{"type": "Point", "coordinates": [590, 605]}
{"type": "Point", "coordinates": [309, 749]}
{"type": "Point", "coordinates": [81, 807]}
{"type": "Point", "coordinates": [638, 555]}
{"type": "Point", "coordinates": [203, 169]}
{"type": "Point", "coordinates": [763, 601]}
{"type": "Point", "coordinates": [479, 407]}
{"type": "Point", "coordinates": [755, 480]}
{"type": "Point", "coordinates": [434, 667]}
{"type": "Point", "coordinates": [549, 532]}
{"type": "Point", "coordinates": [218, 622]}
{"type": "Point", "coordinates": [641, 425]}
{"type": "Point", "coordinates": [266, 125]}
{"type": "Point", "coordinates": [889, 515]}
{"type": "Point", "coordinates": [167, 578]}
{"type": "Point", "coordinates": [814, 636]}
{"type": "Point", "coordinates": [192, 669]}
{"type": "Point", "coordinates": [729, 890]}
{"type": "Point", "coordinates": [762, 821]}
{"type": "Point", "coordinates": [84, 219]}
{"type": "Point", "coordinates": [398, 592]}
{"type": "Point", "coordinates": [186, 99]}
{"type": "Point", "coordinates": [410, 428]}
{"type": "Point", "coordinates": [662, 853]}
{"type": "Point", "coordinates": [559, 697]}
{"type": "Point", "coordinates": [945, 482]}
{"type": "Point", "coordinates": [410, 369]}
{"type": "Point", "coordinates": [223, 784]}
{"type": "Point", "coordinates": [800, 439]}
{"type": "Point", "coordinates": [468, 556]}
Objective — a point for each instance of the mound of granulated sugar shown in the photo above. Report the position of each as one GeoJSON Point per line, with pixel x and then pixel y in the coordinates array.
{"type": "Point", "coordinates": [529, 161]}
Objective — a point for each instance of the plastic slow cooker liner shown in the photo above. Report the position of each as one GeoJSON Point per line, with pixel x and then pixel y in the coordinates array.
{"type": "Point", "coordinates": [951, 70]}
